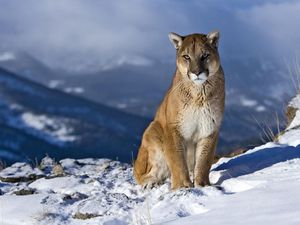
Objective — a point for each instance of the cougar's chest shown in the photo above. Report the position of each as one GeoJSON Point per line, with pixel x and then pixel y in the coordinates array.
{"type": "Point", "coordinates": [198, 122]}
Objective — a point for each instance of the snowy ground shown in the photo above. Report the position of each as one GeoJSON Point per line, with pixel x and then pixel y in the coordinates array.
{"type": "Point", "coordinates": [259, 187]}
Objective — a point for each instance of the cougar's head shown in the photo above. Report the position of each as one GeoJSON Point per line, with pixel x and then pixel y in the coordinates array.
{"type": "Point", "coordinates": [197, 55]}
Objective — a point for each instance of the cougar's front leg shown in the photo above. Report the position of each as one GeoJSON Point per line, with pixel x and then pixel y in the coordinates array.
{"type": "Point", "coordinates": [174, 152]}
{"type": "Point", "coordinates": [205, 152]}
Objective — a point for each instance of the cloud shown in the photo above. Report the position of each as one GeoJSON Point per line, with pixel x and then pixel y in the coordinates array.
{"type": "Point", "coordinates": [78, 34]}
{"type": "Point", "coordinates": [68, 32]}
{"type": "Point", "coordinates": [275, 27]}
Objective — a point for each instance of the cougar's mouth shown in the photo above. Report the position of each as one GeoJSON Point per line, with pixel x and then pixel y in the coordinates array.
{"type": "Point", "coordinates": [198, 79]}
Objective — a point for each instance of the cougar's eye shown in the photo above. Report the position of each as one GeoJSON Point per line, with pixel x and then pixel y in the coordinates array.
{"type": "Point", "coordinates": [204, 56]}
{"type": "Point", "coordinates": [186, 57]}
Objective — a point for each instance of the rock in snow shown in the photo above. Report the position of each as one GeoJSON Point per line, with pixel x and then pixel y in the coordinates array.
{"type": "Point", "coordinates": [258, 187]}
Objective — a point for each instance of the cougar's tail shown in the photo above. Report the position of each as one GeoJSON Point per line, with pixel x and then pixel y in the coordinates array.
{"type": "Point", "coordinates": [141, 165]}
{"type": "Point", "coordinates": [151, 142]}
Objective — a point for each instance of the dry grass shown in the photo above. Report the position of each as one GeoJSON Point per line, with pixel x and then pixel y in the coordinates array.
{"type": "Point", "coordinates": [42, 214]}
{"type": "Point", "coordinates": [270, 134]}
{"type": "Point", "coordinates": [2, 165]}
{"type": "Point", "coordinates": [132, 158]}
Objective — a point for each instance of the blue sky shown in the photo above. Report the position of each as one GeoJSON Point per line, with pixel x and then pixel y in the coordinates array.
{"type": "Point", "coordinates": [66, 33]}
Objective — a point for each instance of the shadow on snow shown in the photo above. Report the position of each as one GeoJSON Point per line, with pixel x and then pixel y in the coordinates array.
{"type": "Point", "coordinates": [252, 162]}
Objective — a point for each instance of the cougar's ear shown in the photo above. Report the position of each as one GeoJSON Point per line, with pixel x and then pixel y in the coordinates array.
{"type": "Point", "coordinates": [176, 40]}
{"type": "Point", "coordinates": [213, 38]}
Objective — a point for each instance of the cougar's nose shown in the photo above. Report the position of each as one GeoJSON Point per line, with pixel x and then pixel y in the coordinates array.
{"type": "Point", "coordinates": [197, 72]}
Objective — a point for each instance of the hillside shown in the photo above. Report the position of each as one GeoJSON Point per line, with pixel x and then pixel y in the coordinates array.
{"type": "Point", "coordinates": [138, 89]}
{"type": "Point", "coordinates": [258, 187]}
{"type": "Point", "coordinates": [36, 121]}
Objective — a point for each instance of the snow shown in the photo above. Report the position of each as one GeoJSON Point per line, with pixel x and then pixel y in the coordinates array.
{"type": "Point", "coordinates": [248, 102]}
{"type": "Point", "coordinates": [135, 60]}
{"type": "Point", "coordinates": [260, 108]}
{"type": "Point", "coordinates": [291, 137]}
{"type": "Point", "coordinates": [20, 169]}
{"type": "Point", "coordinates": [55, 83]}
{"type": "Point", "coordinates": [252, 188]}
{"type": "Point", "coordinates": [258, 187]}
{"type": "Point", "coordinates": [7, 56]}
{"type": "Point", "coordinates": [268, 205]}
{"type": "Point", "coordinates": [76, 90]}
{"type": "Point", "coordinates": [50, 126]}
{"type": "Point", "coordinates": [21, 210]}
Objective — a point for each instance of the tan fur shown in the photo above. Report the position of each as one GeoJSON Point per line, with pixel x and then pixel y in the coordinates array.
{"type": "Point", "coordinates": [180, 142]}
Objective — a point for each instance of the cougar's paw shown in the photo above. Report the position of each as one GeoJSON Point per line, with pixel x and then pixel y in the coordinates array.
{"type": "Point", "coordinates": [181, 184]}
{"type": "Point", "coordinates": [149, 184]}
{"type": "Point", "coordinates": [201, 182]}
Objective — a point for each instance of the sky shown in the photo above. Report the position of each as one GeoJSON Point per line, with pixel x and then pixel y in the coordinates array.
{"type": "Point", "coordinates": [80, 34]}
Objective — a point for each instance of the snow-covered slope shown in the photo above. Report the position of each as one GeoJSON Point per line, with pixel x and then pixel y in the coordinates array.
{"type": "Point", "coordinates": [36, 120]}
{"type": "Point", "coordinates": [258, 187]}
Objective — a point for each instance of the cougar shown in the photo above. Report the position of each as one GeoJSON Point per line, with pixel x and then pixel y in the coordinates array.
{"type": "Point", "coordinates": [181, 140]}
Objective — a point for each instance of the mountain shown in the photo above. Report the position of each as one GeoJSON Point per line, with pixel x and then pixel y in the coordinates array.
{"type": "Point", "coordinates": [27, 66]}
{"type": "Point", "coordinates": [255, 91]}
{"type": "Point", "coordinates": [36, 120]}
{"type": "Point", "coordinates": [260, 186]}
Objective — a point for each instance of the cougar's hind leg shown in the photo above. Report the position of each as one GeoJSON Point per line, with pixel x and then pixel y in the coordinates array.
{"type": "Point", "coordinates": [150, 167]}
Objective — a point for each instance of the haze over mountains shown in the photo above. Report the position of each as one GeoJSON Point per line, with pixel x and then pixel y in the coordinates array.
{"type": "Point", "coordinates": [103, 114]}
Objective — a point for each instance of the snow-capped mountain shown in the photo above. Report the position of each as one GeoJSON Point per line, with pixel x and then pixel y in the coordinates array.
{"type": "Point", "coordinates": [26, 65]}
{"type": "Point", "coordinates": [36, 120]}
